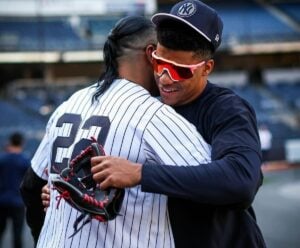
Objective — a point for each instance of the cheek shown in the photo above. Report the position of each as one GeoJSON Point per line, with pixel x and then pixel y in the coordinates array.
{"type": "Point", "coordinates": [154, 88]}
{"type": "Point", "coordinates": [190, 87]}
{"type": "Point", "coordinates": [156, 78]}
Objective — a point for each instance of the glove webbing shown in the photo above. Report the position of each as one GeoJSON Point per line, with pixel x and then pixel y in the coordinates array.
{"type": "Point", "coordinates": [88, 181]}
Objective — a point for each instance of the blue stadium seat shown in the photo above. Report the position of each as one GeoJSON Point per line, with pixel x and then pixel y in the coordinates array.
{"type": "Point", "coordinates": [249, 22]}
{"type": "Point", "coordinates": [292, 9]}
{"type": "Point", "coordinates": [40, 34]}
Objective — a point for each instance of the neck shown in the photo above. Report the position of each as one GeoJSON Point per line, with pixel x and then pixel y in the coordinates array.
{"type": "Point", "coordinates": [133, 69]}
{"type": "Point", "coordinates": [14, 149]}
{"type": "Point", "coordinates": [130, 72]}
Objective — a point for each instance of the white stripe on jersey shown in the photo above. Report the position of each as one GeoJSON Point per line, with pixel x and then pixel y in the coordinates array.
{"type": "Point", "coordinates": [139, 128]}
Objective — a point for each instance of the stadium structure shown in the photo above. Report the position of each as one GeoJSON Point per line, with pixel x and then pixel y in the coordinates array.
{"type": "Point", "coordinates": [50, 48]}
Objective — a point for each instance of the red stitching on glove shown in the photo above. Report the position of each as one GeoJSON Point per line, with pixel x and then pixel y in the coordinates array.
{"type": "Point", "coordinates": [94, 202]}
{"type": "Point", "coordinates": [100, 218]}
{"type": "Point", "coordinates": [81, 155]}
{"type": "Point", "coordinates": [65, 195]}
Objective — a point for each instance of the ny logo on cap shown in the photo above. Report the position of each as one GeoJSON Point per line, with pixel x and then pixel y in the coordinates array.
{"type": "Point", "coordinates": [186, 10]}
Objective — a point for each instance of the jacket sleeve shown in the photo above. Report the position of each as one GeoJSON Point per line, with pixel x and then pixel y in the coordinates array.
{"type": "Point", "coordinates": [234, 175]}
{"type": "Point", "coordinates": [31, 188]}
{"type": "Point", "coordinates": [222, 182]}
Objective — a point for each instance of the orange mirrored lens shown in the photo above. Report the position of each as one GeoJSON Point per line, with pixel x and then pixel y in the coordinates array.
{"type": "Point", "coordinates": [177, 73]}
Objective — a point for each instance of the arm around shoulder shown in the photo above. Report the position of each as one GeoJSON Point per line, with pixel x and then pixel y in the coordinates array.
{"type": "Point", "coordinates": [234, 175]}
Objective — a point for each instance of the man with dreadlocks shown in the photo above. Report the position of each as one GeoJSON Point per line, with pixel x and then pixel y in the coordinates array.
{"type": "Point", "coordinates": [121, 114]}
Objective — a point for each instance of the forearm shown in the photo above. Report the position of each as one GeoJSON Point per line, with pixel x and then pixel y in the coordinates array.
{"type": "Point", "coordinates": [31, 193]}
{"type": "Point", "coordinates": [231, 180]}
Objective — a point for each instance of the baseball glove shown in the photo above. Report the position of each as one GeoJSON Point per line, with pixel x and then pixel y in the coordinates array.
{"type": "Point", "coordinates": [76, 186]}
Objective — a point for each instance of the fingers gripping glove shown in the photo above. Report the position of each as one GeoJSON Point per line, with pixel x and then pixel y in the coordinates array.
{"type": "Point", "coordinates": [75, 184]}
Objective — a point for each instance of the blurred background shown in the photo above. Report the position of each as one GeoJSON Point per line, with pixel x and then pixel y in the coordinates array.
{"type": "Point", "coordinates": [51, 48]}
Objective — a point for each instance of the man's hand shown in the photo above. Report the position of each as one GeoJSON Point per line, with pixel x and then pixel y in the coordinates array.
{"type": "Point", "coordinates": [45, 195]}
{"type": "Point", "coordinates": [115, 172]}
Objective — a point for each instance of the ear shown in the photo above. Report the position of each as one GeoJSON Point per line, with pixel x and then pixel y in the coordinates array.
{"type": "Point", "coordinates": [149, 50]}
{"type": "Point", "coordinates": [209, 66]}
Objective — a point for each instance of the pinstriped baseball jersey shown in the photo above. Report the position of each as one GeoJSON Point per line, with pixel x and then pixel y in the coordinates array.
{"type": "Point", "coordinates": [131, 124]}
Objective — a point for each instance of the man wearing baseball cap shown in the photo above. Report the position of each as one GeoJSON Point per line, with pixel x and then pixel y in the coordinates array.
{"type": "Point", "coordinates": [209, 204]}
{"type": "Point", "coordinates": [197, 15]}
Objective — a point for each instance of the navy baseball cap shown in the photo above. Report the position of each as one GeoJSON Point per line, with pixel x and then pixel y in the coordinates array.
{"type": "Point", "coordinates": [199, 16]}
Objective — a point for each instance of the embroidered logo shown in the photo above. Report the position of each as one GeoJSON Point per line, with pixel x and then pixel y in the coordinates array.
{"type": "Point", "coordinates": [186, 10]}
{"type": "Point", "coordinates": [217, 38]}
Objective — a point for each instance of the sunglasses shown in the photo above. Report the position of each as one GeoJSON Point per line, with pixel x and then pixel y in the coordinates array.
{"type": "Point", "coordinates": [177, 72]}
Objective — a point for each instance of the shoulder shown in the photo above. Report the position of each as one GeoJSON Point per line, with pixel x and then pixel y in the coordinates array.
{"type": "Point", "coordinates": [25, 158]}
{"type": "Point", "coordinates": [224, 101]}
{"type": "Point", "coordinates": [2, 157]}
{"type": "Point", "coordinates": [132, 97]}
{"type": "Point", "coordinates": [83, 92]}
{"type": "Point", "coordinates": [166, 112]}
{"type": "Point", "coordinates": [166, 117]}
{"type": "Point", "coordinates": [223, 111]}
{"type": "Point", "coordinates": [138, 96]}
{"type": "Point", "coordinates": [221, 94]}
{"type": "Point", "coordinates": [126, 85]}
{"type": "Point", "coordinates": [71, 101]}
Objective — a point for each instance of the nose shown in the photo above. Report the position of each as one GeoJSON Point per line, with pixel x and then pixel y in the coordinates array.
{"type": "Point", "coordinates": [165, 78]}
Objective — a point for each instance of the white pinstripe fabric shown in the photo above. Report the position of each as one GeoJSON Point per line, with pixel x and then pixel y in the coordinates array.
{"type": "Point", "coordinates": [141, 129]}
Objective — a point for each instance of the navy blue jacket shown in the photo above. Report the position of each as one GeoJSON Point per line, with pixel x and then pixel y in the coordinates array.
{"type": "Point", "coordinates": [210, 204]}
{"type": "Point", "coordinates": [12, 170]}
